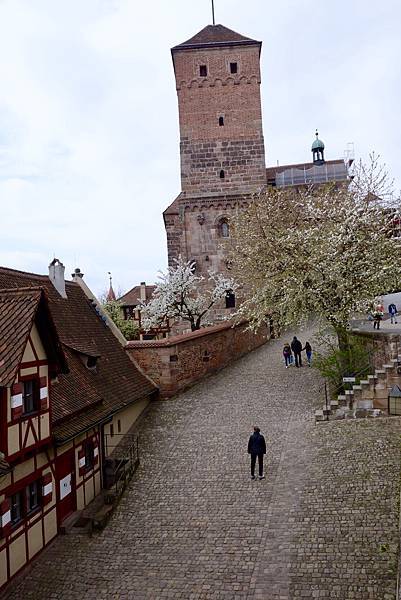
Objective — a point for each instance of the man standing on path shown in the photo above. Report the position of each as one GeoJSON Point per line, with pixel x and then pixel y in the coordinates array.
{"type": "Point", "coordinates": [296, 347]}
{"type": "Point", "coordinates": [392, 309]}
{"type": "Point", "coordinates": [257, 448]}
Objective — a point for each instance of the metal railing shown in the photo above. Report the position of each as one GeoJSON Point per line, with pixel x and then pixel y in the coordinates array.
{"type": "Point", "coordinates": [316, 174]}
{"type": "Point", "coordinates": [121, 460]}
{"type": "Point", "coordinates": [331, 392]}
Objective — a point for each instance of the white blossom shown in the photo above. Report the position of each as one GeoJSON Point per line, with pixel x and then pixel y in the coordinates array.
{"type": "Point", "coordinates": [181, 294]}
{"type": "Point", "coordinates": [326, 251]}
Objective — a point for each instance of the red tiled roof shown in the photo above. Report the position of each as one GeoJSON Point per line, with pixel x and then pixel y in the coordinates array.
{"type": "Point", "coordinates": [83, 397]}
{"type": "Point", "coordinates": [110, 294]}
{"type": "Point", "coordinates": [215, 35]}
{"type": "Point", "coordinates": [133, 297]}
{"type": "Point", "coordinates": [19, 309]}
{"type": "Point", "coordinates": [17, 313]}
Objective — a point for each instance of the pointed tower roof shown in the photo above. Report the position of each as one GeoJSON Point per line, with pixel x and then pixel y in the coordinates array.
{"type": "Point", "coordinates": [111, 297]}
{"type": "Point", "coordinates": [215, 35]}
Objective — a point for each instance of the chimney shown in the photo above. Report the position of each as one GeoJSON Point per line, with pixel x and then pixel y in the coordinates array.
{"type": "Point", "coordinates": [143, 291]}
{"type": "Point", "coordinates": [56, 276]}
{"type": "Point", "coordinates": [77, 273]}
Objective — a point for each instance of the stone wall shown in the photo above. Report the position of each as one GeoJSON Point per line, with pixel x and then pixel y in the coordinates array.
{"type": "Point", "coordinates": [178, 362]}
{"type": "Point", "coordinates": [220, 120]}
{"type": "Point", "coordinates": [382, 346]}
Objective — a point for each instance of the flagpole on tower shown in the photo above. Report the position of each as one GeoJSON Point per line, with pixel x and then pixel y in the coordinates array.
{"type": "Point", "coordinates": [214, 23]}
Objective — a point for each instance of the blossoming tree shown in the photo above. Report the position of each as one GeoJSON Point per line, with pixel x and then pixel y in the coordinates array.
{"type": "Point", "coordinates": [183, 295]}
{"type": "Point", "coordinates": [325, 252]}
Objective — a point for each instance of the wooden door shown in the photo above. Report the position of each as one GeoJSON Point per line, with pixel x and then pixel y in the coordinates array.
{"type": "Point", "coordinates": [65, 481]}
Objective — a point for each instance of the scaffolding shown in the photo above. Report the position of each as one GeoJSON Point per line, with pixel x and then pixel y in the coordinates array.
{"type": "Point", "coordinates": [315, 174]}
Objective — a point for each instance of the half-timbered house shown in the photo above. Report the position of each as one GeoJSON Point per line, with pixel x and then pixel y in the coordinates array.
{"type": "Point", "coordinates": [30, 358]}
{"type": "Point", "coordinates": [66, 383]}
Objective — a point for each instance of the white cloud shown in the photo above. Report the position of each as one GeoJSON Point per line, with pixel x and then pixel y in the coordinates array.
{"type": "Point", "coordinates": [89, 153]}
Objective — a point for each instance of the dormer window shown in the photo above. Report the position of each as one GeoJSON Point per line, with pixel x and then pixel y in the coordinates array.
{"type": "Point", "coordinates": [203, 70]}
{"type": "Point", "coordinates": [233, 68]}
{"type": "Point", "coordinates": [91, 362]}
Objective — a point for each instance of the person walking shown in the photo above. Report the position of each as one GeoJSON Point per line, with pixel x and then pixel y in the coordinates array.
{"type": "Point", "coordinates": [287, 355]}
{"type": "Point", "coordinates": [377, 317]}
{"type": "Point", "coordinates": [392, 309]}
{"type": "Point", "coordinates": [296, 347]}
{"type": "Point", "coordinates": [308, 350]}
{"type": "Point", "coordinates": [257, 448]}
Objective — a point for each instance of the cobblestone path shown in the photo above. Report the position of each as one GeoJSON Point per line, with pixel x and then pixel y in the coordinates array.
{"type": "Point", "coordinates": [192, 525]}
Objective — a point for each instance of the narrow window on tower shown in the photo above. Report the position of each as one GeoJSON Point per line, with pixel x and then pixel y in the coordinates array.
{"type": "Point", "coordinates": [221, 121]}
{"type": "Point", "coordinates": [230, 299]}
{"type": "Point", "coordinates": [234, 68]}
{"type": "Point", "coordinates": [203, 70]}
{"type": "Point", "coordinates": [222, 174]}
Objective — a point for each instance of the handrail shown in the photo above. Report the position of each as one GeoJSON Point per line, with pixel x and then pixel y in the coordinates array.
{"type": "Point", "coordinates": [126, 463]}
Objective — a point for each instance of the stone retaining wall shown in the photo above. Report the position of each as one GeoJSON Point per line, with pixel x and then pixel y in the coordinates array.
{"type": "Point", "coordinates": [382, 346]}
{"type": "Point", "coordinates": [178, 362]}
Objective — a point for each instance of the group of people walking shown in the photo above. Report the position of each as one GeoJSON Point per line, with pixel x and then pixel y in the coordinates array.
{"type": "Point", "coordinates": [257, 444]}
{"type": "Point", "coordinates": [294, 351]}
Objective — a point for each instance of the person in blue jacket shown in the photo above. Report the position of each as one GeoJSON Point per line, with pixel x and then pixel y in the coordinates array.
{"type": "Point", "coordinates": [257, 448]}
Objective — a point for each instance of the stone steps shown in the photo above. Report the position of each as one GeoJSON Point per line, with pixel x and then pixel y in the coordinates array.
{"type": "Point", "coordinates": [370, 393]}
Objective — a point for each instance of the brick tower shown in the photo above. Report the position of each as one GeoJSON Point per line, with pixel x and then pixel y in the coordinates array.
{"type": "Point", "coordinates": [222, 152]}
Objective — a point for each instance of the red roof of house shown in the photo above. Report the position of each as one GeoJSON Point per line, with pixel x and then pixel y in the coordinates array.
{"type": "Point", "coordinates": [84, 397]}
{"type": "Point", "coordinates": [215, 35]}
{"type": "Point", "coordinates": [133, 297]}
{"type": "Point", "coordinates": [19, 308]}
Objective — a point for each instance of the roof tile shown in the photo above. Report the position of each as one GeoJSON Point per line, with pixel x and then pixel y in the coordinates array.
{"type": "Point", "coordinates": [93, 394]}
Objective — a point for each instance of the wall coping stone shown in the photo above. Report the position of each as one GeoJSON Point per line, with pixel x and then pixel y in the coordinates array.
{"type": "Point", "coordinates": [184, 337]}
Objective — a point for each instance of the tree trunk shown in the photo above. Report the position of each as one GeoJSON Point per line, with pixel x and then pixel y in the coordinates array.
{"type": "Point", "coordinates": [342, 337]}
{"type": "Point", "coordinates": [195, 325]}
{"type": "Point", "coordinates": [344, 347]}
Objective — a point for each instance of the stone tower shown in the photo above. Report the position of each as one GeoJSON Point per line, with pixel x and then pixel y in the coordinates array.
{"type": "Point", "coordinates": [222, 152]}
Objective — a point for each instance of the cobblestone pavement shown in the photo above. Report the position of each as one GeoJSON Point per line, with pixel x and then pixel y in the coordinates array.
{"type": "Point", "coordinates": [192, 525]}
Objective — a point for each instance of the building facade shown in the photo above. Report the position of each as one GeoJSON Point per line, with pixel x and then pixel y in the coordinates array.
{"type": "Point", "coordinates": [217, 74]}
{"type": "Point", "coordinates": [68, 394]}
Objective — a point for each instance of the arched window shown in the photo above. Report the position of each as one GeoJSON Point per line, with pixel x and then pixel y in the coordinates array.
{"type": "Point", "coordinates": [222, 174]}
{"type": "Point", "coordinates": [221, 121]}
{"type": "Point", "coordinates": [224, 228]}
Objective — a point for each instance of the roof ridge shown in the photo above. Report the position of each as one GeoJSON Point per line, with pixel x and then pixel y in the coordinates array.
{"type": "Point", "coordinates": [21, 290]}
{"type": "Point", "coordinates": [29, 274]}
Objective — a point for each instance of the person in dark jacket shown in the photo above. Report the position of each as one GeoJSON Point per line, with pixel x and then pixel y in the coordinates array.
{"type": "Point", "coordinates": [296, 347]}
{"type": "Point", "coordinates": [392, 309]}
{"type": "Point", "coordinates": [257, 448]}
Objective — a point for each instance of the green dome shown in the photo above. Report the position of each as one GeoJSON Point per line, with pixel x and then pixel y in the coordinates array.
{"type": "Point", "coordinates": [317, 144]}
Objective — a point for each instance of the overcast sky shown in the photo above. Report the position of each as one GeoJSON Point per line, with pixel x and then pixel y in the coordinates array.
{"type": "Point", "coordinates": [89, 141]}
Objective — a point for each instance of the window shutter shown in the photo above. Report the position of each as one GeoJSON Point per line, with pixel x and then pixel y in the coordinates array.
{"type": "Point", "coordinates": [95, 452]}
{"type": "Point", "coordinates": [81, 462]}
{"type": "Point", "coordinates": [5, 518]}
{"type": "Point", "coordinates": [17, 402]}
{"type": "Point", "coordinates": [43, 393]}
{"type": "Point", "coordinates": [47, 488]}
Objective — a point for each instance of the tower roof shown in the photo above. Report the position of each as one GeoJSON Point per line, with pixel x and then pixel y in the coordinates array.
{"type": "Point", "coordinates": [317, 144]}
{"type": "Point", "coordinates": [215, 35]}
